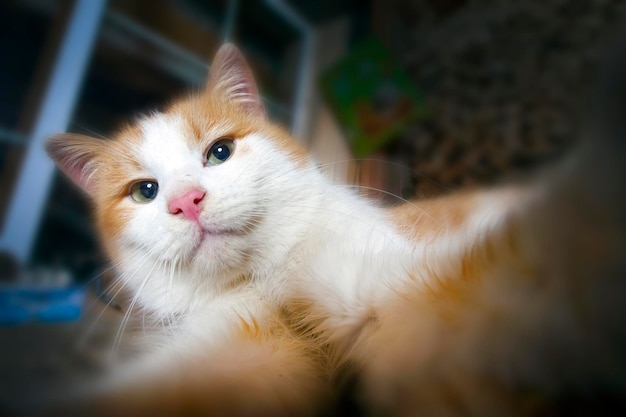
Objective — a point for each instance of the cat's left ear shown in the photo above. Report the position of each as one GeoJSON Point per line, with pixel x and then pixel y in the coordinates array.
{"type": "Point", "coordinates": [232, 78]}
{"type": "Point", "coordinates": [78, 157]}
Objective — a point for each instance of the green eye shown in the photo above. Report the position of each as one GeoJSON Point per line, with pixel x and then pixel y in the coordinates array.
{"type": "Point", "coordinates": [144, 191]}
{"type": "Point", "coordinates": [220, 151]}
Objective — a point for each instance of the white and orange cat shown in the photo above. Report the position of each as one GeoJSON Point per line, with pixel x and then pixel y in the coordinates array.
{"type": "Point", "coordinates": [274, 279]}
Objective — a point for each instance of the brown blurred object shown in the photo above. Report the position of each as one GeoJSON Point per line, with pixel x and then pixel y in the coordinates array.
{"type": "Point", "coordinates": [504, 81]}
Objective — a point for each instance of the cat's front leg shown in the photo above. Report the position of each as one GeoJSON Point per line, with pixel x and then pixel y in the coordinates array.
{"type": "Point", "coordinates": [260, 367]}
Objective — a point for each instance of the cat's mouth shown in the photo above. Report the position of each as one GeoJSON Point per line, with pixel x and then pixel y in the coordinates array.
{"type": "Point", "coordinates": [211, 231]}
{"type": "Point", "coordinates": [215, 233]}
{"type": "Point", "coordinates": [214, 237]}
{"type": "Point", "coordinates": [240, 228]}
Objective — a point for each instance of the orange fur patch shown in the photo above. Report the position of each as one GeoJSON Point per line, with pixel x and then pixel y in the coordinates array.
{"type": "Point", "coordinates": [424, 218]}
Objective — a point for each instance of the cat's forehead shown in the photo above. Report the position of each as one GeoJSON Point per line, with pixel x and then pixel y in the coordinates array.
{"type": "Point", "coordinates": [174, 130]}
{"type": "Point", "coordinates": [170, 138]}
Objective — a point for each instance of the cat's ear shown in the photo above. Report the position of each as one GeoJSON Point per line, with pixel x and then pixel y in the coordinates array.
{"type": "Point", "coordinates": [77, 157]}
{"type": "Point", "coordinates": [232, 78]}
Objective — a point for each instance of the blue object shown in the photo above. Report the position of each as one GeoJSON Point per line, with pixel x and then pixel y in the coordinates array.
{"type": "Point", "coordinates": [20, 304]}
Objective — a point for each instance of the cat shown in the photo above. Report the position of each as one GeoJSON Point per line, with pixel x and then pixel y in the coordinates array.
{"type": "Point", "coordinates": [280, 284]}
{"type": "Point", "coordinates": [199, 209]}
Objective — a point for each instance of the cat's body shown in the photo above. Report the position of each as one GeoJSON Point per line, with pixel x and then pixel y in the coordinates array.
{"type": "Point", "coordinates": [271, 277]}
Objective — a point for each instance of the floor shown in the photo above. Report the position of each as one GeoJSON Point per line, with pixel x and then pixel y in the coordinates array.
{"type": "Point", "coordinates": [36, 357]}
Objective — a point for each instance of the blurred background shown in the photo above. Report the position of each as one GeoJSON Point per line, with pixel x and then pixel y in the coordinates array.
{"type": "Point", "coordinates": [405, 98]}
{"type": "Point", "coordinates": [414, 98]}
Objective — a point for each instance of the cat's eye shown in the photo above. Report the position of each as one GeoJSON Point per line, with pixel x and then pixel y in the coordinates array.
{"type": "Point", "coordinates": [144, 191]}
{"type": "Point", "coordinates": [220, 151]}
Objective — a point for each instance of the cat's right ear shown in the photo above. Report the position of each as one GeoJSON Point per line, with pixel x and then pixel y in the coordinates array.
{"type": "Point", "coordinates": [77, 157]}
{"type": "Point", "coordinates": [232, 78]}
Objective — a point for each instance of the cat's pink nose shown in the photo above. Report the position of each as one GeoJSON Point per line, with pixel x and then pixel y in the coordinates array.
{"type": "Point", "coordinates": [187, 204]}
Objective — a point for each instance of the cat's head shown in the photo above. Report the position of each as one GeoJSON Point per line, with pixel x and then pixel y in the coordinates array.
{"type": "Point", "coordinates": [196, 193]}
